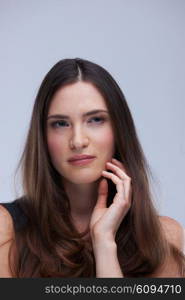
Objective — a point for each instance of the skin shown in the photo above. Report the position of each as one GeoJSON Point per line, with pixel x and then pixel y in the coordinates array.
{"type": "Point", "coordinates": [85, 186]}
{"type": "Point", "coordinates": [80, 136]}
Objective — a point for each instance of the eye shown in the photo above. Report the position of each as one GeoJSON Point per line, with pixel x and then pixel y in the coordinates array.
{"type": "Point", "coordinates": [62, 123]}
{"type": "Point", "coordinates": [98, 119]}
{"type": "Point", "coordinates": [54, 124]}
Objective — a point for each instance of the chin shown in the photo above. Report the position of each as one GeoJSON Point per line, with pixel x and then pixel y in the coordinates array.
{"type": "Point", "coordinates": [84, 179]}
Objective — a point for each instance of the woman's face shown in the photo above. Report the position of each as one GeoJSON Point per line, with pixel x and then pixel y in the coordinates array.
{"type": "Point", "coordinates": [79, 133]}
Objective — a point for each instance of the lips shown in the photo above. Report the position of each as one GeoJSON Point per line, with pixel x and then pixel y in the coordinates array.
{"type": "Point", "coordinates": [82, 162]}
{"type": "Point", "coordinates": [80, 157]}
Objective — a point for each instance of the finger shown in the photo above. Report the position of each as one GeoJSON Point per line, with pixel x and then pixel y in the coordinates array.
{"type": "Point", "coordinates": [117, 170]}
{"type": "Point", "coordinates": [119, 164]}
{"type": "Point", "coordinates": [128, 189]}
{"type": "Point", "coordinates": [102, 194]}
{"type": "Point", "coordinates": [116, 180]}
{"type": "Point", "coordinates": [117, 161]}
{"type": "Point", "coordinates": [126, 181]}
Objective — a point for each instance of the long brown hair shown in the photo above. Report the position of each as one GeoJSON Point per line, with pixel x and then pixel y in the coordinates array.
{"type": "Point", "coordinates": [49, 245]}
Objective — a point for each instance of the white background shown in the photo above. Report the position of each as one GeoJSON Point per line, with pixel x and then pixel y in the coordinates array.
{"type": "Point", "coordinates": [140, 42]}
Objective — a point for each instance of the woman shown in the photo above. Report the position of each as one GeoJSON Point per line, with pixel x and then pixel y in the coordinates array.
{"type": "Point", "coordinates": [85, 217]}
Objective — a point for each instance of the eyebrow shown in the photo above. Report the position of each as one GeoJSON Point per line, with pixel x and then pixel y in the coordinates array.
{"type": "Point", "coordinates": [89, 113]}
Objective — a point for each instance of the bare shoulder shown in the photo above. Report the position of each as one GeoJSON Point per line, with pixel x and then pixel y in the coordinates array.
{"type": "Point", "coordinates": [174, 231]}
{"type": "Point", "coordinates": [6, 239]}
{"type": "Point", "coordinates": [6, 226]}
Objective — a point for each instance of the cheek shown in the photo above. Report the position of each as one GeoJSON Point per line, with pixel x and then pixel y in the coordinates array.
{"type": "Point", "coordinates": [55, 146]}
{"type": "Point", "coordinates": [106, 140]}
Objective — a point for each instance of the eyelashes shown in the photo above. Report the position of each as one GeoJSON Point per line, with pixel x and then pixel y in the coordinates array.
{"type": "Point", "coordinates": [99, 120]}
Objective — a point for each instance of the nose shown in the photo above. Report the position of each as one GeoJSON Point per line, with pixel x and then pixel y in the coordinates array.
{"type": "Point", "coordinates": [79, 139]}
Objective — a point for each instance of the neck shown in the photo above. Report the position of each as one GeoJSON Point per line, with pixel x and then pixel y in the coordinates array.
{"type": "Point", "coordinates": [82, 197]}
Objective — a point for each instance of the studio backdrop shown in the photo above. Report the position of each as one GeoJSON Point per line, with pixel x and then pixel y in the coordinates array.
{"type": "Point", "coordinates": [140, 42]}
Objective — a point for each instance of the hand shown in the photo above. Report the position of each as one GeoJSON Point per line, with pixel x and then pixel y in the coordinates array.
{"type": "Point", "coordinates": [105, 221]}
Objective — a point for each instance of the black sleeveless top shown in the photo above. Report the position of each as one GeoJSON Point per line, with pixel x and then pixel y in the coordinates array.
{"type": "Point", "coordinates": [17, 213]}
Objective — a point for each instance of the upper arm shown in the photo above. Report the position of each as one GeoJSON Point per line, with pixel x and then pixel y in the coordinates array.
{"type": "Point", "coordinates": [174, 233]}
{"type": "Point", "coordinates": [6, 238]}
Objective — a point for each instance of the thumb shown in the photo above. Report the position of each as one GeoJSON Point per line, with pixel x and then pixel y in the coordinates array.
{"type": "Point", "coordinates": [102, 194]}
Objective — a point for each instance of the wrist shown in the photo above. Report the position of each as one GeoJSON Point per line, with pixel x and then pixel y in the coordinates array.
{"type": "Point", "coordinates": [104, 245]}
{"type": "Point", "coordinates": [100, 237]}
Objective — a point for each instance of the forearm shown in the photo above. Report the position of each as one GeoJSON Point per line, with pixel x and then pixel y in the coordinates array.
{"type": "Point", "coordinates": [107, 264]}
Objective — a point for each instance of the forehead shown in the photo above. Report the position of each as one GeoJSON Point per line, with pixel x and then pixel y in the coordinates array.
{"type": "Point", "coordinates": [80, 95]}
